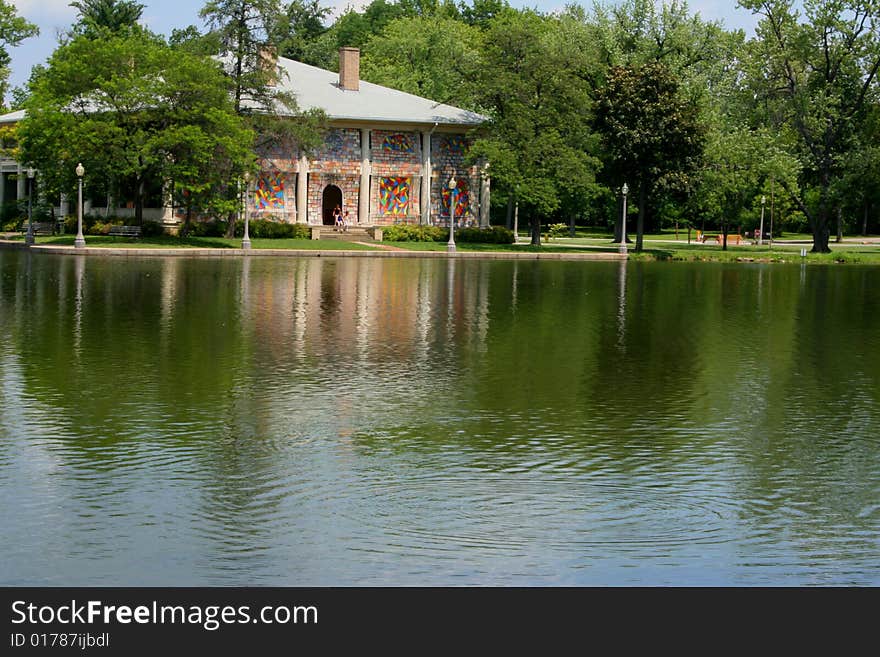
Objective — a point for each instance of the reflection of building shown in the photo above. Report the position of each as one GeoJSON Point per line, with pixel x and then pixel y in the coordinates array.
{"type": "Point", "coordinates": [387, 156]}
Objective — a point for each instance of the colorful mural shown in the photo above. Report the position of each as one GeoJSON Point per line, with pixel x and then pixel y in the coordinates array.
{"type": "Point", "coordinates": [452, 145]}
{"type": "Point", "coordinates": [462, 199]}
{"type": "Point", "coordinates": [398, 143]}
{"type": "Point", "coordinates": [270, 192]}
{"type": "Point", "coordinates": [394, 195]}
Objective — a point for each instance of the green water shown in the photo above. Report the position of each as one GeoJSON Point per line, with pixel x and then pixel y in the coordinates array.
{"type": "Point", "coordinates": [368, 421]}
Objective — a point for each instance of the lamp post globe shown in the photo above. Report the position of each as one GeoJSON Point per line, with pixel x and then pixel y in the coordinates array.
{"type": "Point", "coordinates": [246, 240]}
{"type": "Point", "coordinates": [29, 238]}
{"type": "Point", "coordinates": [79, 242]}
{"type": "Point", "coordinates": [450, 245]}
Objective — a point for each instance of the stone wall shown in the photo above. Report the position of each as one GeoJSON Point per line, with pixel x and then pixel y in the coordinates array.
{"type": "Point", "coordinates": [341, 152]}
{"type": "Point", "coordinates": [447, 156]}
{"type": "Point", "coordinates": [318, 182]}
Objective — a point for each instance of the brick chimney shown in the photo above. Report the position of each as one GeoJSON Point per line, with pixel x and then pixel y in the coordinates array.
{"type": "Point", "coordinates": [349, 68]}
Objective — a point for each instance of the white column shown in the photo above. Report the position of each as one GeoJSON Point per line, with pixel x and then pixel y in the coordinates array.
{"type": "Point", "coordinates": [64, 208]}
{"type": "Point", "coordinates": [302, 191]}
{"type": "Point", "coordinates": [364, 192]}
{"type": "Point", "coordinates": [484, 196]}
{"type": "Point", "coordinates": [426, 178]}
{"type": "Point", "coordinates": [167, 202]}
{"type": "Point", "coordinates": [21, 190]}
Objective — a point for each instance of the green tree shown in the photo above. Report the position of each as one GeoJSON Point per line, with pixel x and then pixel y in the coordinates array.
{"type": "Point", "coordinates": [651, 132]}
{"type": "Point", "coordinates": [248, 31]}
{"type": "Point", "coordinates": [538, 140]}
{"type": "Point", "coordinates": [303, 24]}
{"type": "Point", "coordinates": [99, 16]}
{"type": "Point", "coordinates": [13, 30]}
{"type": "Point", "coordinates": [130, 108]}
{"type": "Point", "coordinates": [812, 83]}
{"type": "Point", "coordinates": [430, 56]}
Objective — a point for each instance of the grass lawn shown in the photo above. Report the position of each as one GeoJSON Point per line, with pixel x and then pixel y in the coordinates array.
{"type": "Point", "coordinates": [849, 252]}
{"type": "Point", "coordinates": [552, 247]}
{"type": "Point", "coordinates": [170, 242]}
{"type": "Point", "coordinates": [840, 253]}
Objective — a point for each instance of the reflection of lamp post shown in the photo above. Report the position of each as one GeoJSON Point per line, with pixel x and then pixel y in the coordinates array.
{"type": "Point", "coordinates": [246, 240]}
{"type": "Point", "coordinates": [29, 238]}
{"type": "Point", "coordinates": [761, 229]}
{"type": "Point", "coordinates": [450, 245]}
{"type": "Point", "coordinates": [622, 248]}
{"type": "Point", "coordinates": [79, 242]}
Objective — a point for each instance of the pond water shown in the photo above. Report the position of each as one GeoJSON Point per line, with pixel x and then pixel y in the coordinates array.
{"type": "Point", "coordinates": [343, 421]}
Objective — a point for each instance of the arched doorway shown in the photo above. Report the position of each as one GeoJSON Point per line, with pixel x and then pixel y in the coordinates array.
{"type": "Point", "coordinates": [332, 198]}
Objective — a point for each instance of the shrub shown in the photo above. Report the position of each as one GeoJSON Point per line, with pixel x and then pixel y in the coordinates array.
{"type": "Point", "coordinates": [267, 229]}
{"type": "Point", "coordinates": [213, 228]}
{"type": "Point", "coordinates": [11, 215]}
{"type": "Point", "coordinates": [96, 228]}
{"type": "Point", "coordinates": [152, 229]}
{"type": "Point", "coordinates": [557, 230]}
{"type": "Point", "coordinates": [492, 235]}
{"type": "Point", "coordinates": [414, 233]}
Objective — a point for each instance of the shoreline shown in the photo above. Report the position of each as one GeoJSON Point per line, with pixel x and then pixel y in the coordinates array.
{"type": "Point", "coordinates": [196, 252]}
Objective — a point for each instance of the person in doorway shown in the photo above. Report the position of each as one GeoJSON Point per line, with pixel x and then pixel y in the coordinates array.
{"type": "Point", "coordinates": [337, 218]}
{"type": "Point", "coordinates": [345, 222]}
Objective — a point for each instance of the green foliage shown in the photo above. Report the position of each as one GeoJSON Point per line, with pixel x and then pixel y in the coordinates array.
{"type": "Point", "coordinates": [414, 233]}
{"type": "Point", "coordinates": [267, 229]}
{"type": "Point", "coordinates": [11, 215]}
{"type": "Point", "coordinates": [212, 228]}
{"type": "Point", "coordinates": [539, 141]}
{"type": "Point", "coordinates": [152, 229]}
{"type": "Point", "coordinates": [812, 82]}
{"type": "Point", "coordinates": [429, 56]}
{"type": "Point", "coordinates": [493, 235]}
{"type": "Point", "coordinates": [131, 109]}
{"type": "Point", "coordinates": [557, 230]}
{"type": "Point", "coordinates": [100, 17]}
{"type": "Point", "coordinates": [13, 30]}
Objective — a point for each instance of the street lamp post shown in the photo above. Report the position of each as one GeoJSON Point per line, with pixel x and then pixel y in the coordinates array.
{"type": "Point", "coordinates": [761, 229]}
{"type": "Point", "coordinates": [450, 245]}
{"type": "Point", "coordinates": [622, 248]}
{"type": "Point", "coordinates": [246, 240]}
{"type": "Point", "coordinates": [29, 238]}
{"type": "Point", "coordinates": [79, 242]}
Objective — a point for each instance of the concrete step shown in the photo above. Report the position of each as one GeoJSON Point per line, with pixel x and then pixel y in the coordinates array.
{"type": "Point", "coordinates": [350, 234]}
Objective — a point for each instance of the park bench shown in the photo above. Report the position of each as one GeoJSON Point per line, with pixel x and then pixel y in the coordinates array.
{"type": "Point", "coordinates": [125, 231]}
{"type": "Point", "coordinates": [732, 238]}
{"type": "Point", "coordinates": [40, 228]}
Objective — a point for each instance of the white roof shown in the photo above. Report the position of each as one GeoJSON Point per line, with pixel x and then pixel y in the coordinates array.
{"type": "Point", "coordinates": [318, 88]}
{"type": "Point", "coordinates": [12, 117]}
{"type": "Point", "coordinates": [315, 87]}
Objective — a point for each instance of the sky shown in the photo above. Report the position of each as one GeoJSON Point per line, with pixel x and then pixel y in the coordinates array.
{"type": "Point", "coordinates": [53, 16]}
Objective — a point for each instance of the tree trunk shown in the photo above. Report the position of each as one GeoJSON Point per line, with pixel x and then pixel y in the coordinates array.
{"type": "Point", "coordinates": [536, 231]}
{"type": "Point", "coordinates": [640, 224]}
{"type": "Point", "coordinates": [724, 232]}
{"type": "Point", "coordinates": [839, 224]}
{"type": "Point", "coordinates": [230, 226]}
{"type": "Point", "coordinates": [821, 232]}
{"type": "Point", "coordinates": [509, 222]}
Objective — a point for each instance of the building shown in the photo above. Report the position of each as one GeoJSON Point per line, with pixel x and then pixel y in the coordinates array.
{"type": "Point", "coordinates": [387, 157]}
